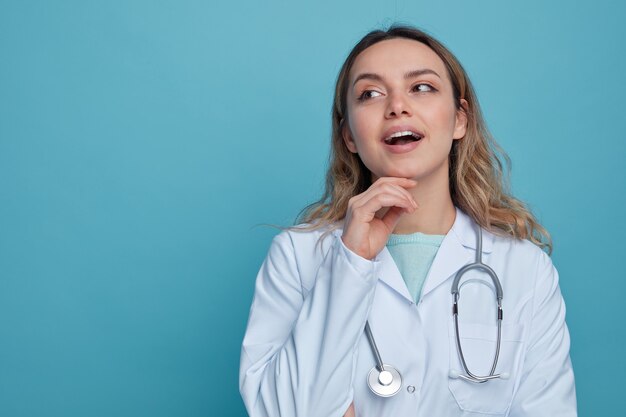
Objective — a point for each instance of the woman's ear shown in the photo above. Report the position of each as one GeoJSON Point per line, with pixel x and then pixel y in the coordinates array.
{"type": "Point", "coordinates": [460, 125]}
{"type": "Point", "coordinates": [347, 137]}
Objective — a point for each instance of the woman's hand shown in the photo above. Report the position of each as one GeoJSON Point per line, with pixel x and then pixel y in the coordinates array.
{"type": "Point", "coordinates": [363, 232]}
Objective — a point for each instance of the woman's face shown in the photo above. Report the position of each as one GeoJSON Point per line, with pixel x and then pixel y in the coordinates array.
{"type": "Point", "coordinates": [401, 85]}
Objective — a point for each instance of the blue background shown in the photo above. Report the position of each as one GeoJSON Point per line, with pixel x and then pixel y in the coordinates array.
{"type": "Point", "coordinates": [143, 143]}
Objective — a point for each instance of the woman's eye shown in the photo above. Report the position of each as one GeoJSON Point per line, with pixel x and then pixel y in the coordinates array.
{"type": "Point", "coordinates": [423, 88]}
{"type": "Point", "coordinates": [367, 94]}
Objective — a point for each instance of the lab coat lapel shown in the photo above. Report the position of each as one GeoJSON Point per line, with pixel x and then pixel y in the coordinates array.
{"type": "Point", "coordinates": [457, 249]}
{"type": "Point", "coordinates": [390, 274]}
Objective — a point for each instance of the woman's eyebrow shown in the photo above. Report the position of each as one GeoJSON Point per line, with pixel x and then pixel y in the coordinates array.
{"type": "Point", "coordinates": [417, 73]}
{"type": "Point", "coordinates": [407, 76]}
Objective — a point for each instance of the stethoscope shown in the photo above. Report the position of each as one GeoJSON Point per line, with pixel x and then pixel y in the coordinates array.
{"type": "Point", "coordinates": [385, 380]}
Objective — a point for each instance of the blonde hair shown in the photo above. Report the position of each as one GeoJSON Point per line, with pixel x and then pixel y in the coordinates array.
{"type": "Point", "coordinates": [478, 183]}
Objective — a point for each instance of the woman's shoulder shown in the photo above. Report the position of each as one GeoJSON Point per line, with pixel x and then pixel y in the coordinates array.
{"type": "Point", "coordinates": [303, 247]}
{"type": "Point", "coordinates": [305, 237]}
{"type": "Point", "coordinates": [500, 241]}
{"type": "Point", "coordinates": [522, 251]}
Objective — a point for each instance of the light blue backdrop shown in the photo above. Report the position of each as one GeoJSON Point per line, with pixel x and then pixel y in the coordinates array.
{"type": "Point", "coordinates": [142, 142]}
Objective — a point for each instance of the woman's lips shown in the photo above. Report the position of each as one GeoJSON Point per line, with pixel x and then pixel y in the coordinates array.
{"type": "Point", "coordinates": [402, 148]}
{"type": "Point", "coordinates": [402, 137]}
{"type": "Point", "coordinates": [403, 129]}
{"type": "Point", "coordinates": [395, 139]}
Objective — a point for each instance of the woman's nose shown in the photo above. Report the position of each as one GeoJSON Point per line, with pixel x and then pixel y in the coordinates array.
{"type": "Point", "coordinates": [397, 106]}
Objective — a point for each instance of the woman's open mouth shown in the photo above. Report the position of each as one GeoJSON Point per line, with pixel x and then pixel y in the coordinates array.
{"type": "Point", "coordinates": [401, 142]}
{"type": "Point", "coordinates": [402, 138]}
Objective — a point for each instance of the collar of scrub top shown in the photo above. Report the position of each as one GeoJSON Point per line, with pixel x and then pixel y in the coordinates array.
{"type": "Point", "coordinates": [457, 249]}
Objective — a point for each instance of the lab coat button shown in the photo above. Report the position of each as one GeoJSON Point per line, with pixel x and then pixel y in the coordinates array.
{"type": "Point", "coordinates": [410, 389]}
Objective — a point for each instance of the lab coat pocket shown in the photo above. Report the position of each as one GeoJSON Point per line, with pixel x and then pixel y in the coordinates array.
{"type": "Point", "coordinates": [478, 342]}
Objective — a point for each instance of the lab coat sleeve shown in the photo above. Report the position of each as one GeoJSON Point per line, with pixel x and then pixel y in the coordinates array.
{"type": "Point", "coordinates": [299, 352]}
{"type": "Point", "coordinates": [547, 381]}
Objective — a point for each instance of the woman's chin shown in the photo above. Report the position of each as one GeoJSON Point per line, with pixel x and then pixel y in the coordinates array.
{"type": "Point", "coordinates": [428, 173]}
{"type": "Point", "coordinates": [398, 174]}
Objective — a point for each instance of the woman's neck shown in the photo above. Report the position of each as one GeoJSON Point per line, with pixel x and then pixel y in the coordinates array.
{"type": "Point", "coordinates": [430, 217]}
{"type": "Point", "coordinates": [435, 213]}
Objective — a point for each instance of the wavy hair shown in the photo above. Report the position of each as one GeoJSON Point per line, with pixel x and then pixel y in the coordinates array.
{"type": "Point", "coordinates": [479, 180]}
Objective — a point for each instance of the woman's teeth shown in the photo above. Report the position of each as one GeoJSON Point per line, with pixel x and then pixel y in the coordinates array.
{"type": "Point", "coordinates": [401, 138]}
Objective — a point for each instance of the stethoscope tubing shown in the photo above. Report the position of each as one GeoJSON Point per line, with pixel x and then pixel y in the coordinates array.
{"type": "Point", "coordinates": [391, 388]}
{"type": "Point", "coordinates": [478, 264]}
{"type": "Point", "coordinates": [370, 337]}
{"type": "Point", "coordinates": [383, 380]}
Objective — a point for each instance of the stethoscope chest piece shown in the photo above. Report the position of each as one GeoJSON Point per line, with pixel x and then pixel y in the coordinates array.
{"type": "Point", "coordinates": [386, 382]}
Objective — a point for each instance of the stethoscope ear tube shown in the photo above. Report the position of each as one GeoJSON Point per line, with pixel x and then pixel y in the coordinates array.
{"type": "Point", "coordinates": [455, 313]}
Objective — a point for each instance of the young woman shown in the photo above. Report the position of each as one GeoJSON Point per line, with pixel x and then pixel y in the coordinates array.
{"type": "Point", "coordinates": [353, 309]}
